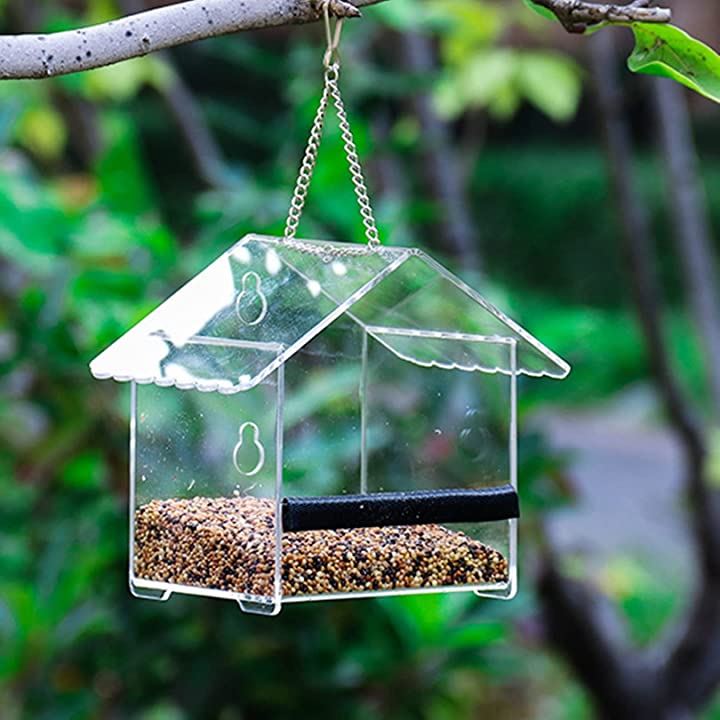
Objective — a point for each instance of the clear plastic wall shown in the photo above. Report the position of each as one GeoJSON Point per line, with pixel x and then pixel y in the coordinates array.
{"type": "Point", "coordinates": [205, 493]}
{"type": "Point", "coordinates": [401, 441]}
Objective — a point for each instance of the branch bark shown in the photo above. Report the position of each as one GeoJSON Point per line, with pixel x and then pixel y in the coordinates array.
{"type": "Point", "coordinates": [576, 16]}
{"type": "Point", "coordinates": [693, 235]}
{"type": "Point", "coordinates": [692, 668]}
{"type": "Point", "coordinates": [41, 56]}
{"type": "Point", "coordinates": [584, 626]}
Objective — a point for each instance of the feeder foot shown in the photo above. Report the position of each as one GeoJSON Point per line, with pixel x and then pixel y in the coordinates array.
{"type": "Point", "coordinates": [149, 593]}
{"type": "Point", "coordinates": [505, 594]}
{"type": "Point", "coordinates": [260, 608]}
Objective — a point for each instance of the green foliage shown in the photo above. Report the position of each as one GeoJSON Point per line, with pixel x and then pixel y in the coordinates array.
{"type": "Point", "coordinates": [713, 712]}
{"type": "Point", "coordinates": [500, 79]}
{"type": "Point", "coordinates": [540, 10]}
{"type": "Point", "coordinates": [713, 470]}
{"type": "Point", "coordinates": [551, 83]}
{"type": "Point", "coordinates": [124, 81]}
{"type": "Point", "coordinates": [480, 71]}
{"type": "Point", "coordinates": [42, 129]}
{"type": "Point", "coordinates": [668, 51]}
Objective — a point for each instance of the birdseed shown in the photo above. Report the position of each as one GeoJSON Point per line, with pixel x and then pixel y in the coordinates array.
{"type": "Point", "coordinates": [228, 544]}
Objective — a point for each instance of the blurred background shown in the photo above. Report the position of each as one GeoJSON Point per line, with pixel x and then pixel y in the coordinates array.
{"type": "Point", "coordinates": [489, 138]}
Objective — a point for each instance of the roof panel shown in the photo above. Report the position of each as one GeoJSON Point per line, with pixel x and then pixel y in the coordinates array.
{"type": "Point", "coordinates": [261, 301]}
{"type": "Point", "coordinates": [423, 297]}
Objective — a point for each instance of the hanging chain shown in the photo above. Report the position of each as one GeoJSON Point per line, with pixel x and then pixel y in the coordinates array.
{"type": "Point", "coordinates": [331, 91]}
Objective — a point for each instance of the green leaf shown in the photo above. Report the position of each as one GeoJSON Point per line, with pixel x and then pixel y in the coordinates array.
{"type": "Point", "coordinates": [123, 81]}
{"type": "Point", "coordinates": [479, 82]}
{"type": "Point", "coordinates": [85, 471]}
{"type": "Point", "coordinates": [42, 131]}
{"type": "Point", "coordinates": [550, 82]}
{"type": "Point", "coordinates": [667, 51]}
{"type": "Point", "coordinates": [470, 26]}
{"type": "Point", "coordinates": [540, 10]}
{"type": "Point", "coordinates": [505, 103]}
{"type": "Point", "coordinates": [501, 78]}
{"type": "Point", "coordinates": [120, 172]}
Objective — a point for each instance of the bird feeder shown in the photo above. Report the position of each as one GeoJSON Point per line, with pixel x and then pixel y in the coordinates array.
{"type": "Point", "coordinates": [312, 422]}
{"type": "Point", "coordinates": [316, 420]}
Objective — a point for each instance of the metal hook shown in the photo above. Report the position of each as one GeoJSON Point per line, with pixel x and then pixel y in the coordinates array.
{"type": "Point", "coordinates": [331, 58]}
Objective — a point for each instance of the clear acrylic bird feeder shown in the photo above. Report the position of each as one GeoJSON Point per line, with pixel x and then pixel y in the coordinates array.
{"type": "Point", "coordinates": [315, 420]}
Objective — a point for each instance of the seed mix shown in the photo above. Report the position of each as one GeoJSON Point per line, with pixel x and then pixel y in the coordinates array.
{"type": "Point", "coordinates": [228, 544]}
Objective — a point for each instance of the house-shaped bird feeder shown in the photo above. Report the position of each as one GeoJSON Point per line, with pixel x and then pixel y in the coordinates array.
{"type": "Point", "coordinates": [315, 420]}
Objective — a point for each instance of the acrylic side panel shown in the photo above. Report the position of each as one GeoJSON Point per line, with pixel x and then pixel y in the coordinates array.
{"type": "Point", "coordinates": [322, 418]}
{"type": "Point", "coordinates": [205, 492]}
{"type": "Point", "coordinates": [433, 425]}
{"type": "Point", "coordinates": [369, 423]}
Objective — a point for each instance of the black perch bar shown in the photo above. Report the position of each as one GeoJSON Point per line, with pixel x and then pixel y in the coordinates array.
{"type": "Point", "coordinates": [417, 507]}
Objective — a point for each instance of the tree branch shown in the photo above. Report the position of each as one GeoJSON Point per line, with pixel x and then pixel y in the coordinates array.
{"type": "Point", "coordinates": [693, 666]}
{"type": "Point", "coordinates": [40, 56]}
{"type": "Point", "coordinates": [582, 624]}
{"type": "Point", "coordinates": [31, 56]}
{"type": "Point", "coordinates": [576, 15]}
{"type": "Point", "coordinates": [638, 249]}
{"type": "Point", "coordinates": [693, 234]}
{"type": "Point", "coordinates": [692, 669]}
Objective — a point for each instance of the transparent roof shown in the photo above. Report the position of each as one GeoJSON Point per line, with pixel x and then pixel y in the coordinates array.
{"type": "Point", "coordinates": [260, 302]}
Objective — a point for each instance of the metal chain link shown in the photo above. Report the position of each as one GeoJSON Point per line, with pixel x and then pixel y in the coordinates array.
{"type": "Point", "coordinates": [331, 90]}
{"type": "Point", "coordinates": [304, 178]}
{"type": "Point", "coordinates": [371, 233]}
